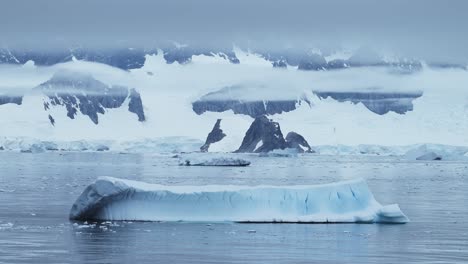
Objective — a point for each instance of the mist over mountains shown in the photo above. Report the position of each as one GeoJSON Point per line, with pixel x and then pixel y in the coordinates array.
{"type": "Point", "coordinates": [426, 30]}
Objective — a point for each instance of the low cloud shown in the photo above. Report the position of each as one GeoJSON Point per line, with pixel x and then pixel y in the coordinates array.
{"type": "Point", "coordinates": [433, 30]}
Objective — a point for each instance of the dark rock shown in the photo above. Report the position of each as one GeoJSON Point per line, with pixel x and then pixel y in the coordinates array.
{"type": "Point", "coordinates": [11, 99]}
{"type": "Point", "coordinates": [280, 64]}
{"type": "Point", "coordinates": [223, 100]}
{"type": "Point", "coordinates": [183, 55]}
{"type": "Point", "coordinates": [78, 91]}
{"type": "Point", "coordinates": [377, 102]}
{"type": "Point", "coordinates": [263, 135]}
{"type": "Point", "coordinates": [52, 120]}
{"type": "Point", "coordinates": [1, 148]}
{"type": "Point", "coordinates": [214, 136]}
{"type": "Point", "coordinates": [313, 62]}
{"type": "Point", "coordinates": [51, 148]}
{"type": "Point", "coordinates": [337, 64]}
{"type": "Point", "coordinates": [102, 148]}
{"type": "Point", "coordinates": [298, 142]}
{"type": "Point", "coordinates": [429, 156]}
{"type": "Point", "coordinates": [123, 58]}
{"type": "Point", "coordinates": [365, 56]}
{"type": "Point", "coordinates": [136, 105]}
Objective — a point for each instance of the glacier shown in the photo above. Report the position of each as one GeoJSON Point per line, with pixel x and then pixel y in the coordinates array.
{"type": "Point", "coordinates": [116, 199]}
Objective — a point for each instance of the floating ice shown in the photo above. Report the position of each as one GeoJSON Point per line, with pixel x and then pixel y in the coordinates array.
{"type": "Point", "coordinates": [436, 152]}
{"type": "Point", "coordinates": [212, 160]}
{"type": "Point", "coordinates": [116, 199]}
{"type": "Point", "coordinates": [287, 153]}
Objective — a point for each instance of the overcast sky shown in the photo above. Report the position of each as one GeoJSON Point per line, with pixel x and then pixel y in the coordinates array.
{"type": "Point", "coordinates": [434, 29]}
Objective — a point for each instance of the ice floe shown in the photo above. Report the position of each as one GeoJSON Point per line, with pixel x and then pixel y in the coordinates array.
{"type": "Point", "coordinates": [212, 160]}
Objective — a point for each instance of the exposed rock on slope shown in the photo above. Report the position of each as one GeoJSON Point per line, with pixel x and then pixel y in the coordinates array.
{"type": "Point", "coordinates": [298, 142]}
{"type": "Point", "coordinates": [231, 98]}
{"type": "Point", "coordinates": [262, 136]}
{"type": "Point", "coordinates": [81, 92]}
{"type": "Point", "coordinates": [136, 105]}
{"type": "Point", "coordinates": [11, 99]}
{"type": "Point", "coordinates": [214, 136]}
{"type": "Point", "coordinates": [377, 102]}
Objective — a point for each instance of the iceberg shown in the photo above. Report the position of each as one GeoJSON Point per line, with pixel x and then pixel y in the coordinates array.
{"type": "Point", "coordinates": [430, 152]}
{"type": "Point", "coordinates": [112, 199]}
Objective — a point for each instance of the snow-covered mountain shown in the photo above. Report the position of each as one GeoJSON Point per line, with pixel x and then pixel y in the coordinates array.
{"type": "Point", "coordinates": [128, 58]}
{"type": "Point", "coordinates": [169, 96]}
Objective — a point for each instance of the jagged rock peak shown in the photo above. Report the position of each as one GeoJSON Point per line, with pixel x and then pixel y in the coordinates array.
{"type": "Point", "coordinates": [81, 92]}
{"type": "Point", "coordinates": [263, 135]}
{"type": "Point", "coordinates": [214, 136]}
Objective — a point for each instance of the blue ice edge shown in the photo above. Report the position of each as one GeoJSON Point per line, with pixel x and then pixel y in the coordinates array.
{"type": "Point", "coordinates": [112, 199]}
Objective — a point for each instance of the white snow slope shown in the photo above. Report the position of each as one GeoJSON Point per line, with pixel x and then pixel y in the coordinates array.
{"type": "Point", "coordinates": [115, 199]}
{"type": "Point", "coordinates": [440, 116]}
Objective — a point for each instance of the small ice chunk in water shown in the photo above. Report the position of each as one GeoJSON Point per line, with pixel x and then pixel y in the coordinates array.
{"type": "Point", "coordinates": [212, 160]}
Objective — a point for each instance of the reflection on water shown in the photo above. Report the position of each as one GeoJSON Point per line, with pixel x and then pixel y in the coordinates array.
{"type": "Point", "coordinates": [37, 190]}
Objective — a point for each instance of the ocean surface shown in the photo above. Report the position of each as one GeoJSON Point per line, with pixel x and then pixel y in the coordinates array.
{"type": "Point", "coordinates": [38, 189]}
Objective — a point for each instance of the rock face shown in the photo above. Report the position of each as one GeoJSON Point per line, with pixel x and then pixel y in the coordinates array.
{"type": "Point", "coordinates": [136, 105]}
{"type": "Point", "coordinates": [231, 98]}
{"type": "Point", "coordinates": [183, 55]}
{"type": "Point", "coordinates": [377, 102]}
{"type": "Point", "coordinates": [123, 58]}
{"type": "Point", "coordinates": [11, 99]}
{"type": "Point", "coordinates": [298, 142]}
{"type": "Point", "coordinates": [214, 136]}
{"type": "Point", "coordinates": [253, 109]}
{"type": "Point", "coordinates": [313, 62]}
{"type": "Point", "coordinates": [81, 92]}
{"type": "Point", "coordinates": [127, 58]}
{"type": "Point", "coordinates": [228, 99]}
{"type": "Point", "coordinates": [262, 136]}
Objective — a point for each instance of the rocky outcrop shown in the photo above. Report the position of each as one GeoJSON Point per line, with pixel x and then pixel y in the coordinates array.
{"type": "Point", "coordinates": [79, 92]}
{"type": "Point", "coordinates": [134, 57]}
{"type": "Point", "coordinates": [136, 105]}
{"type": "Point", "coordinates": [377, 102]}
{"type": "Point", "coordinates": [214, 136]}
{"type": "Point", "coordinates": [11, 99]}
{"type": "Point", "coordinates": [313, 62]}
{"type": "Point", "coordinates": [250, 108]}
{"type": "Point", "coordinates": [52, 120]}
{"type": "Point", "coordinates": [183, 55]}
{"type": "Point", "coordinates": [262, 136]}
{"type": "Point", "coordinates": [227, 99]}
{"type": "Point", "coordinates": [123, 58]}
{"type": "Point", "coordinates": [298, 142]}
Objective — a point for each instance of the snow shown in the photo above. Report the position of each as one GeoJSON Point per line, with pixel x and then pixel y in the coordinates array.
{"type": "Point", "coordinates": [201, 159]}
{"type": "Point", "coordinates": [192, 145]}
{"type": "Point", "coordinates": [115, 199]}
{"type": "Point", "coordinates": [168, 93]}
{"type": "Point", "coordinates": [436, 152]}
{"type": "Point", "coordinates": [287, 152]}
{"type": "Point", "coordinates": [259, 144]}
{"type": "Point", "coordinates": [409, 152]}
{"type": "Point", "coordinates": [156, 145]}
{"type": "Point", "coordinates": [429, 156]}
